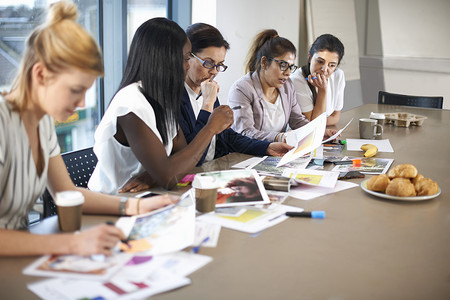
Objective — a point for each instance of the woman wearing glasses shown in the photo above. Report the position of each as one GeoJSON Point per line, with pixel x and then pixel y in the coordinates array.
{"type": "Point", "coordinates": [139, 134]}
{"type": "Point", "coordinates": [266, 93]}
{"type": "Point", "coordinates": [200, 97]}
{"type": "Point", "coordinates": [320, 84]}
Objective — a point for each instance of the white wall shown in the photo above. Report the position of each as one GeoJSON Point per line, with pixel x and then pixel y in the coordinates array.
{"type": "Point", "coordinates": [415, 28]}
{"type": "Point", "coordinates": [406, 48]}
{"type": "Point", "coordinates": [239, 21]}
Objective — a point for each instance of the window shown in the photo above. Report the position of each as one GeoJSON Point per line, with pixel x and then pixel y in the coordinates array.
{"type": "Point", "coordinates": [19, 17]}
{"type": "Point", "coordinates": [139, 11]}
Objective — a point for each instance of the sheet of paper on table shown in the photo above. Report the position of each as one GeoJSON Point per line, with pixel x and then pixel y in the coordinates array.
{"type": "Point", "coordinates": [320, 178]}
{"type": "Point", "coordinates": [141, 277]}
{"type": "Point", "coordinates": [382, 145]}
{"type": "Point", "coordinates": [267, 165]}
{"type": "Point", "coordinates": [205, 230]}
{"type": "Point", "coordinates": [252, 220]}
{"type": "Point", "coordinates": [368, 165]}
{"type": "Point", "coordinates": [307, 192]}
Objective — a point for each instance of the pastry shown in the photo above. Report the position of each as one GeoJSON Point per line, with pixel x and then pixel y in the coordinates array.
{"type": "Point", "coordinates": [378, 183]}
{"type": "Point", "coordinates": [417, 179]}
{"type": "Point", "coordinates": [400, 187]}
{"type": "Point", "coordinates": [426, 187]}
{"type": "Point", "coordinates": [403, 171]}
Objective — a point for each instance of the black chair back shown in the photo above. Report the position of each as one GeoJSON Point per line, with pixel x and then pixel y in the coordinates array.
{"type": "Point", "coordinates": [80, 164]}
{"type": "Point", "coordinates": [406, 100]}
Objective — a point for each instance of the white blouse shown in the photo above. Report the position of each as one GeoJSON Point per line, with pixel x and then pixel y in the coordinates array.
{"type": "Point", "coordinates": [274, 116]}
{"type": "Point", "coordinates": [335, 92]}
{"type": "Point", "coordinates": [116, 162]}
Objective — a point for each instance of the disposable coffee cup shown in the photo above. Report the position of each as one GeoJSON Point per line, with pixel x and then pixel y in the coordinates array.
{"type": "Point", "coordinates": [370, 129]}
{"type": "Point", "coordinates": [68, 206]}
{"type": "Point", "coordinates": [205, 193]}
{"type": "Point", "coordinates": [380, 118]}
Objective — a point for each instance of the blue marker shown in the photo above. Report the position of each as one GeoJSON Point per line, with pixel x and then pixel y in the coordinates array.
{"type": "Point", "coordinates": [311, 77]}
{"type": "Point", "coordinates": [318, 214]}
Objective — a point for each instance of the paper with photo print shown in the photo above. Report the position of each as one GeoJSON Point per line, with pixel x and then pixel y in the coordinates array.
{"type": "Point", "coordinates": [325, 179]}
{"type": "Point", "coordinates": [305, 139]}
{"type": "Point", "coordinates": [238, 187]}
{"type": "Point", "coordinates": [168, 229]}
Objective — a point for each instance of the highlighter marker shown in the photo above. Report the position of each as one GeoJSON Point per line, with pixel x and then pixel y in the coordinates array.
{"type": "Point", "coordinates": [317, 214]}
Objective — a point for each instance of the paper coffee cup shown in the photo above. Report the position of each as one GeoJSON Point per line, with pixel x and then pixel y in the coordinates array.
{"type": "Point", "coordinates": [69, 206]}
{"type": "Point", "coordinates": [380, 117]}
{"type": "Point", "coordinates": [205, 193]}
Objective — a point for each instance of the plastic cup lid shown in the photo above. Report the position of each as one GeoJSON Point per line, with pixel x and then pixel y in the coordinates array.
{"type": "Point", "coordinates": [377, 116]}
{"type": "Point", "coordinates": [69, 198]}
{"type": "Point", "coordinates": [204, 182]}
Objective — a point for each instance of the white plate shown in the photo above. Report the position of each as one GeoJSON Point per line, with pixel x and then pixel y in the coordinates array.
{"type": "Point", "coordinates": [386, 196]}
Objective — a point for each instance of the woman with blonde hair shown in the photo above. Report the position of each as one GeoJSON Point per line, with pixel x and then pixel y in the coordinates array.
{"type": "Point", "coordinates": [60, 63]}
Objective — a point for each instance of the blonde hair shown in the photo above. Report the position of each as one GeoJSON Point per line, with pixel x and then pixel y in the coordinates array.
{"type": "Point", "coordinates": [60, 44]}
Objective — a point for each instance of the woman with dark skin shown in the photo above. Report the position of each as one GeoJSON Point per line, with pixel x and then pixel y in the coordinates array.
{"type": "Point", "coordinates": [139, 135]}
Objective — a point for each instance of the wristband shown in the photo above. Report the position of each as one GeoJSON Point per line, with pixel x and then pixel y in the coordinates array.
{"type": "Point", "coordinates": [122, 205]}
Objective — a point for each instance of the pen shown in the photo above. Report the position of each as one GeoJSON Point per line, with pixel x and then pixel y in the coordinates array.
{"type": "Point", "coordinates": [236, 107]}
{"type": "Point", "coordinates": [311, 77]}
{"type": "Point", "coordinates": [212, 78]}
{"type": "Point", "coordinates": [126, 242]}
{"type": "Point", "coordinates": [317, 214]}
{"type": "Point", "coordinates": [196, 248]}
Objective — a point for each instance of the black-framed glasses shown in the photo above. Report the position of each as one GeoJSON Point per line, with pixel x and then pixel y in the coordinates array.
{"type": "Point", "coordinates": [284, 65]}
{"type": "Point", "coordinates": [210, 64]}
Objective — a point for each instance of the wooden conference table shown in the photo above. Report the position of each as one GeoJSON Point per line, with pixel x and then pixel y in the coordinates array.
{"type": "Point", "coordinates": [365, 248]}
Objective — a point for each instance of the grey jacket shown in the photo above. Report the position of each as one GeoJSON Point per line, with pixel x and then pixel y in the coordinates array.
{"type": "Point", "coordinates": [247, 92]}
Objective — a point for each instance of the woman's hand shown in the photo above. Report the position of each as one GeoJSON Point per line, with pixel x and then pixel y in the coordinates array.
{"type": "Point", "coordinates": [220, 119]}
{"type": "Point", "coordinates": [137, 183]}
{"type": "Point", "coordinates": [98, 240]}
{"type": "Point", "coordinates": [210, 89]}
{"type": "Point", "coordinates": [148, 204]}
{"type": "Point", "coordinates": [278, 149]}
{"type": "Point", "coordinates": [320, 82]}
{"type": "Point", "coordinates": [331, 132]}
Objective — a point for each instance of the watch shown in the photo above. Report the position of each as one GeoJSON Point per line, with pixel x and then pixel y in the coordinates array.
{"type": "Point", "coordinates": [122, 205]}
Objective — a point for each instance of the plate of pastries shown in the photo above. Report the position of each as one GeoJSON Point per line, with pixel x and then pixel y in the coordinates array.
{"type": "Point", "coordinates": [403, 182]}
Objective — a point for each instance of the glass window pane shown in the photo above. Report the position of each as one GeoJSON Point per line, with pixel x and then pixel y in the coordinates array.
{"type": "Point", "coordinates": [17, 19]}
{"type": "Point", "coordinates": [139, 11]}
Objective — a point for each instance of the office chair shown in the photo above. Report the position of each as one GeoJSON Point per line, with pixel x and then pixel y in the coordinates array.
{"type": "Point", "coordinates": [80, 165]}
{"type": "Point", "coordinates": [420, 101]}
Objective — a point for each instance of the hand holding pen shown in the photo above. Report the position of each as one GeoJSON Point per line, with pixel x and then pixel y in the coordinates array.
{"type": "Point", "coordinates": [320, 81]}
{"type": "Point", "coordinates": [211, 80]}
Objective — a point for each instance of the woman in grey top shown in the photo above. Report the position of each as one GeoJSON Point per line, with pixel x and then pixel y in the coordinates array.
{"type": "Point", "coordinates": [61, 61]}
{"type": "Point", "coordinates": [266, 93]}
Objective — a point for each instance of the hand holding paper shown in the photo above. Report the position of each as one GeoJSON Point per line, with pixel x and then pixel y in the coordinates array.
{"type": "Point", "coordinates": [305, 139]}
